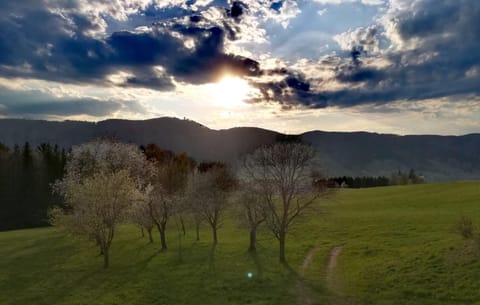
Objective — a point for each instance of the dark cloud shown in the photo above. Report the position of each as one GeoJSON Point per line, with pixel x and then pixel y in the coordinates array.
{"type": "Point", "coordinates": [237, 10]}
{"type": "Point", "coordinates": [150, 80]}
{"type": "Point", "coordinates": [446, 35]}
{"type": "Point", "coordinates": [292, 90]}
{"type": "Point", "coordinates": [430, 17]}
{"type": "Point", "coordinates": [63, 108]}
{"type": "Point", "coordinates": [36, 104]}
{"type": "Point", "coordinates": [354, 71]}
{"type": "Point", "coordinates": [191, 48]}
{"type": "Point", "coordinates": [67, 52]}
{"type": "Point", "coordinates": [444, 62]}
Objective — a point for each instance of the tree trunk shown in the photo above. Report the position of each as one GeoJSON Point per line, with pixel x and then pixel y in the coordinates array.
{"type": "Point", "coordinates": [143, 232]}
{"type": "Point", "coordinates": [214, 231]}
{"type": "Point", "coordinates": [253, 240]}
{"type": "Point", "coordinates": [183, 226]}
{"type": "Point", "coordinates": [161, 229]}
{"type": "Point", "coordinates": [197, 230]}
{"type": "Point", "coordinates": [99, 244]}
{"type": "Point", "coordinates": [281, 240]}
{"type": "Point", "coordinates": [106, 258]}
{"type": "Point", "coordinates": [150, 237]}
{"type": "Point", "coordinates": [163, 238]}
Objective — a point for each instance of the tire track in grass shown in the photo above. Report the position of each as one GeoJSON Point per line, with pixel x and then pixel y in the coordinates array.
{"type": "Point", "coordinates": [333, 284]}
{"type": "Point", "coordinates": [304, 293]}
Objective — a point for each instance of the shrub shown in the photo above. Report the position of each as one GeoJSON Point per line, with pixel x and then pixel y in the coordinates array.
{"type": "Point", "coordinates": [465, 227]}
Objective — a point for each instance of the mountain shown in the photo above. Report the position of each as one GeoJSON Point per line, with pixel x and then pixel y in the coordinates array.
{"type": "Point", "coordinates": [438, 158]}
{"type": "Point", "coordinates": [170, 133]}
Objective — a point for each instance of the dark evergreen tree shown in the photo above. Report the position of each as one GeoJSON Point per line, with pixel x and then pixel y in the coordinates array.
{"type": "Point", "coordinates": [26, 176]}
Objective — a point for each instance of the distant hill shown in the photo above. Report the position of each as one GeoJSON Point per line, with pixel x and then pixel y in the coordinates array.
{"type": "Point", "coordinates": [438, 158]}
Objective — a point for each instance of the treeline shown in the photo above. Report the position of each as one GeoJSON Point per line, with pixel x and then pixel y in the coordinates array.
{"type": "Point", "coordinates": [358, 182]}
{"type": "Point", "coordinates": [108, 183]}
{"type": "Point", "coordinates": [403, 178]}
{"type": "Point", "coordinates": [26, 175]}
{"type": "Point", "coordinates": [397, 178]}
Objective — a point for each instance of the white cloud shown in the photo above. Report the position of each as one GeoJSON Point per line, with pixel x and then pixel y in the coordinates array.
{"type": "Point", "coordinates": [262, 9]}
{"type": "Point", "coordinates": [366, 2]}
{"type": "Point", "coordinates": [117, 9]}
{"type": "Point", "coordinates": [365, 37]}
{"type": "Point", "coordinates": [322, 11]}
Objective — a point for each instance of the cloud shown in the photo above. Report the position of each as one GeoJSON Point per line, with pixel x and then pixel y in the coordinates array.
{"type": "Point", "coordinates": [322, 11]}
{"type": "Point", "coordinates": [38, 104]}
{"type": "Point", "coordinates": [188, 49]}
{"type": "Point", "coordinates": [365, 2]}
{"type": "Point", "coordinates": [365, 38]}
{"type": "Point", "coordinates": [433, 52]}
{"type": "Point", "coordinates": [417, 50]}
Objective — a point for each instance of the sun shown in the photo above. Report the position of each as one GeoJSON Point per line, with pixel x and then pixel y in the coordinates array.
{"type": "Point", "coordinates": [230, 92]}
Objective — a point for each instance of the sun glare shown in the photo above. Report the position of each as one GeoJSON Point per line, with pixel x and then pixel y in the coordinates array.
{"type": "Point", "coordinates": [230, 92]}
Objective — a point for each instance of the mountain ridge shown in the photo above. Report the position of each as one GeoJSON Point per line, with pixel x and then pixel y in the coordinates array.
{"type": "Point", "coordinates": [358, 153]}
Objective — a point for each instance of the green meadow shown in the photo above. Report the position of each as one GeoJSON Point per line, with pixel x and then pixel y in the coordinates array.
{"type": "Point", "coordinates": [394, 245]}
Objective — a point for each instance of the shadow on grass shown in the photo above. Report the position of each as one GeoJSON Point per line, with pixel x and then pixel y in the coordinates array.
{"type": "Point", "coordinates": [211, 258]}
{"type": "Point", "coordinates": [142, 265]}
{"type": "Point", "coordinates": [144, 247]}
{"type": "Point", "coordinates": [65, 290]}
{"type": "Point", "coordinates": [20, 247]}
{"type": "Point", "coordinates": [258, 263]}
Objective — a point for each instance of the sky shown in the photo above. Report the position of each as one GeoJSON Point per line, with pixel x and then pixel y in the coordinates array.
{"type": "Point", "coordinates": [387, 66]}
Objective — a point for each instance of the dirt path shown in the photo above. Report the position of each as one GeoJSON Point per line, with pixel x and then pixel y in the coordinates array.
{"type": "Point", "coordinates": [332, 283]}
{"type": "Point", "coordinates": [308, 259]}
{"type": "Point", "coordinates": [304, 293]}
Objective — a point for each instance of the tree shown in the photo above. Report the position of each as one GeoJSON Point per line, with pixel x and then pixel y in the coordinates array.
{"type": "Point", "coordinates": [107, 156]}
{"type": "Point", "coordinates": [252, 212]}
{"type": "Point", "coordinates": [27, 156]}
{"type": "Point", "coordinates": [160, 209]}
{"type": "Point", "coordinates": [102, 181]}
{"type": "Point", "coordinates": [403, 178]}
{"type": "Point", "coordinates": [184, 168]}
{"type": "Point", "coordinates": [190, 206]}
{"type": "Point", "coordinates": [26, 176]}
{"type": "Point", "coordinates": [97, 205]}
{"type": "Point", "coordinates": [140, 214]}
{"type": "Point", "coordinates": [169, 184]}
{"type": "Point", "coordinates": [208, 195]}
{"type": "Point", "coordinates": [285, 174]}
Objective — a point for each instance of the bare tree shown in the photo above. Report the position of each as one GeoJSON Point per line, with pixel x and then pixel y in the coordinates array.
{"type": "Point", "coordinates": [140, 214]}
{"type": "Point", "coordinates": [160, 209]}
{"type": "Point", "coordinates": [190, 206]}
{"type": "Point", "coordinates": [208, 195]}
{"type": "Point", "coordinates": [285, 174]}
{"type": "Point", "coordinates": [252, 213]}
{"type": "Point", "coordinates": [184, 166]}
{"type": "Point", "coordinates": [197, 218]}
{"type": "Point", "coordinates": [169, 184]}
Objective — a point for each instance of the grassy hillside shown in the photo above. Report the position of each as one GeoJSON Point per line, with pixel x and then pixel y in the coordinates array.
{"type": "Point", "coordinates": [398, 247]}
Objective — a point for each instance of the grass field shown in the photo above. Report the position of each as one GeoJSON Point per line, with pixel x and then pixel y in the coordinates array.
{"type": "Point", "coordinates": [399, 247]}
